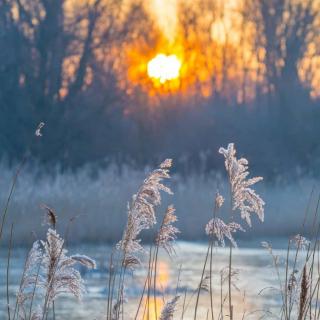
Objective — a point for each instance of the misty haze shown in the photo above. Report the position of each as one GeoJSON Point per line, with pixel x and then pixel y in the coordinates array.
{"type": "Point", "coordinates": [159, 159]}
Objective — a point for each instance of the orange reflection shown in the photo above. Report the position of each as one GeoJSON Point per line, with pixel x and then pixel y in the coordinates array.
{"type": "Point", "coordinates": [151, 307]}
{"type": "Point", "coordinates": [162, 276]}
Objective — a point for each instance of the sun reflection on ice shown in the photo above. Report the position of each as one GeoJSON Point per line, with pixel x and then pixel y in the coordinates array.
{"type": "Point", "coordinates": [154, 304]}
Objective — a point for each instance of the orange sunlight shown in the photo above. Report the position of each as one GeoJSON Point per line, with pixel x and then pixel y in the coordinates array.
{"type": "Point", "coordinates": [153, 306]}
{"type": "Point", "coordinates": [188, 51]}
{"type": "Point", "coordinates": [154, 310]}
{"type": "Point", "coordinates": [179, 57]}
{"type": "Point", "coordinates": [164, 68]}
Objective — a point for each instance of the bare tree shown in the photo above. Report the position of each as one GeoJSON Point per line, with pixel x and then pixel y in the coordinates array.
{"type": "Point", "coordinates": [285, 29]}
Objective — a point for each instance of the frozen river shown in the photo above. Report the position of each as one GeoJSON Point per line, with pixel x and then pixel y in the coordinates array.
{"type": "Point", "coordinates": [254, 267]}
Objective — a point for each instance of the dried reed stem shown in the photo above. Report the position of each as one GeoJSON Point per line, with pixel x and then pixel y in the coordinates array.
{"type": "Point", "coordinates": [14, 182]}
{"type": "Point", "coordinates": [8, 269]}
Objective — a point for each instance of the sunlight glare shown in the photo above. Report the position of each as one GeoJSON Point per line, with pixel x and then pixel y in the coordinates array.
{"type": "Point", "coordinates": [164, 68]}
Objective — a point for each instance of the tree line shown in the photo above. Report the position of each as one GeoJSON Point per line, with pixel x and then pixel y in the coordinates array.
{"type": "Point", "coordinates": [66, 63]}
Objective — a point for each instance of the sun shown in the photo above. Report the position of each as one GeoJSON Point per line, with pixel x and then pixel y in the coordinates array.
{"type": "Point", "coordinates": [164, 67]}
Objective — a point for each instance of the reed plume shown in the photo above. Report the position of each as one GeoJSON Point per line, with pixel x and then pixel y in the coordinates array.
{"type": "Point", "coordinates": [292, 282]}
{"type": "Point", "coordinates": [51, 217]}
{"type": "Point", "coordinates": [52, 272]}
{"type": "Point", "coordinates": [216, 227]}
{"type": "Point", "coordinates": [244, 198]}
{"type": "Point", "coordinates": [300, 242]}
{"type": "Point", "coordinates": [303, 294]}
{"type": "Point", "coordinates": [59, 275]}
{"type": "Point", "coordinates": [28, 283]}
{"type": "Point", "coordinates": [168, 233]}
{"type": "Point", "coordinates": [141, 212]}
{"type": "Point", "coordinates": [219, 200]}
{"type": "Point", "coordinates": [168, 310]}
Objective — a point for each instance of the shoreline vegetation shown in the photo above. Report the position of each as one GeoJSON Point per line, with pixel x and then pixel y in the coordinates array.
{"type": "Point", "coordinates": [103, 197]}
{"type": "Point", "coordinates": [49, 271]}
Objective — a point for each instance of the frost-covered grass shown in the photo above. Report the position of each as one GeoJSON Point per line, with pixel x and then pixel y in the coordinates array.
{"type": "Point", "coordinates": [99, 202]}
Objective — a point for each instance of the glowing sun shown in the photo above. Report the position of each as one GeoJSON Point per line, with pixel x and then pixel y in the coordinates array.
{"type": "Point", "coordinates": [164, 68]}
